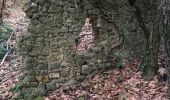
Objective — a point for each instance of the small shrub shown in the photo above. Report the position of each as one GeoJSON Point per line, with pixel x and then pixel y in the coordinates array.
{"type": "Point", "coordinates": [3, 51]}
{"type": "Point", "coordinates": [5, 31]}
{"type": "Point", "coordinates": [121, 57]}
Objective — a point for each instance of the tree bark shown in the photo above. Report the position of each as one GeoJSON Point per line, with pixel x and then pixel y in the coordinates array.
{"type": "Point", "coordinates": [149, 64]}
{"type": "Point", "coordinates": [2, 7]}
{"type": "Point", "coordinates": [150, 69]}
{"type": "Point", "coordinates": [164, 7]}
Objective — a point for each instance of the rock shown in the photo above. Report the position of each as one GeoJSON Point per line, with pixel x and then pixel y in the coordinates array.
{"type": "Point", "coordinates": [51, 86]}
{"type": "Point", "coordinates": [42, 66]}
{"type": "Point", "coordinates": [41, 89]}
{"type": "Point", "coordinates": [85, 69]}
{"type": "Point", "coordinates": [108, 65]}
{"type": "Point", "coordinates": [54, 65]}
{"type": "Point", "coordinates": [57, 85]}
{"type": "Point", "coordinates": [42, 78]}
{"type": "Point", "coordinates": [71, 82]}
{"type": "Point", "coordinates": [97, 49]}
{"type": "Point", "coordinates": [64, 64]}
{"type": "Point", "coordinates": [80, 60]}
{"type": "Point", "coordinates": [80, 78]}
{"type": "Point", "coordinates": [54, 75]}
{"type": "Point", "coordinates": [64, 73]}
{"type": "Point", "coordinates": [61, 80]}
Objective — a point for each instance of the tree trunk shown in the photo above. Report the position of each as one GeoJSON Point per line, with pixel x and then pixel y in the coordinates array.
{"type": "Point", "coordinates": [164, 6]}
{"type": "Point", "coordinates": [150, 60]}
{"type": "Point", "coordinates": [2, 7]}
{"type": "Point", "coordinates": [149, 64]}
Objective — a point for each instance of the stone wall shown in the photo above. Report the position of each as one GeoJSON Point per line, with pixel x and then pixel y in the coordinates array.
{"type": "Point", "coordinates": [48, 50]}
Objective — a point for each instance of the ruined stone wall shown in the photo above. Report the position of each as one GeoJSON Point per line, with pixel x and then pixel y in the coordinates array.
{"type": "Point", "coordinates": [48, 49]}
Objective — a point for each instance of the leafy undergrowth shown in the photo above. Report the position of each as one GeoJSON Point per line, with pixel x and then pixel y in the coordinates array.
{"type": "Point", "coordinates": [116, 84]}
{"type": "Point", "coordinates": [10, 69]}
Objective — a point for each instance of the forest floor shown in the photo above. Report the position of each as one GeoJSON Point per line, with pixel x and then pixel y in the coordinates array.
{"type": "Point", "coordinates": [10, 68]}
{"type": "Point", "coordinates": [115, 84]}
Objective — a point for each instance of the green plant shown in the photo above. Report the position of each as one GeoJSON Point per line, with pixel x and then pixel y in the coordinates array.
{"type": "Point", "coordinates": [5, 30]}
{"type": "Point", "coordinates": [121, 56]}
{"type": "Point", "coordinates": [3, 51]}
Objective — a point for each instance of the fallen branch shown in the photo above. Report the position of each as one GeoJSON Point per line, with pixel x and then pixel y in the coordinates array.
{"type": "Point", "coordinates": [7, 49]}
{"type": "Point", "coordinates": [5, 57]}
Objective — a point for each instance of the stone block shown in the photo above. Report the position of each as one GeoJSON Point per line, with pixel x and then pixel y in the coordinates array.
{"type": "Point", "coordinates": [42, 78]}
{"type": "Point", "coordinates": [61, 80]}
{"type": "Point", "coordinates": [80, 78]}
{"type": "Point", "coordinates": [70, 82]}
{"type": "Point", "coordinates": [55, 70]}
{"type": "Point", "coordinates": [40, 28]}
{"type": "Point", "coordinates": [29, 79]}
{"type": "Point", "coordinates": [64, 73]}
{"type": "Point", "coordinates": [41, 89]}
{"type": "Point", "coordinates": [50, 86]}
{"type": "Point", "coordinates": [85, 69]}
{"type": "Point", "coordinates": [97, 49]}
{"type": "Point", "coordinates": [64, 30]}
{"type": "Point", "coordinates": [80, 60]}
{"type": "Point", "coordinates": [54, 75]}
{"type": "Point", "coordinates": [54, 65]}
{"type": "Point", "coordinates": [42, 66]}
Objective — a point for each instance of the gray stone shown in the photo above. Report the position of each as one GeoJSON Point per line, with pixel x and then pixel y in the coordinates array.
{"type": "Point", "coordinates": [70, 82]}
{"type": "Point", "coordinates": [51, 86]}
{"type": "Point", "coordinates": [64, 64]}
{"type": "Point", "coordinates": [40, 28]}
{"type": "Point", "coordinates": [42, 66]}
{"type": "Point", "coordinates": [61, 80]}
{"type": "Point", "coordinates": [54, 65]}
{"type": "Point", "coordinates": [64, 73]}
{"type": "Point", "coordinates": [85, 69]}
{"type": "Point", "coordinates": [80, 60]}
{"type": "Point", "coordinates": [41, 89]}
{"type": "Point", "coordinates": [64, 30]}
{"type": "Point", "coordinates": [42, 78]}
{"type": "Point", "coordinates": [108, 65]}
{"type": "Point", "coordinates": [54, 75]}
{"type": "Point", "coordinates": [97, 49]}
{"type": "Point", "coordinates": [80, 78]}
{"type": "Point", "coordinates": [57, 85]}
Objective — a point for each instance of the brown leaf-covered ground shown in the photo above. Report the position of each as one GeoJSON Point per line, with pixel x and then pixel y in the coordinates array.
{"type": "Point", "coordinates": [116, 84]}
{"type": "Point", "coordinates": [10, 70]}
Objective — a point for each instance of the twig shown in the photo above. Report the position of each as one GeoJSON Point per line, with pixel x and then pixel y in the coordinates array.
{"type": "Point", "coordinates": [5, 57]}
{"type": "Point", "coordinates": [9, 39]}
{"type": "Point", "coordinates": [7, 49]}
